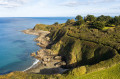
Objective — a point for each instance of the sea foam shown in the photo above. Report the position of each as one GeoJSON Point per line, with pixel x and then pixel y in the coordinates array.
{"type": "Point", "coordinates": [36, 61]}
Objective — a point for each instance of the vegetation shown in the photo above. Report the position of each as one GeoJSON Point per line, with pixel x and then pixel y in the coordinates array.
{"type": "Point", "coordinates": [115, 20]}
{"type": "Point", "coordinates": [80, 22]}
{"type": "Point", "coordinates": [95, 22]}
{"type": "Point", "coordinates": [89, 46]}
{"type": "Point", "coordinates": [90, 18]}
{"type": "Point", "coordinates": [103, 18]}
{"type": "Point", "coordinates": [70, 21]}
{"type": "Point", "coordinates": [79, 19]}
{"type": "Point", "coordinates": [98, 25]}
{"type": "Point", "coordinates": [56, 23]}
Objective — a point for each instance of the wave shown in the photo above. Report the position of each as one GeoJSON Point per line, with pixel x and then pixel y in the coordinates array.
{"type": "Point", "coordinates": [36, 61]}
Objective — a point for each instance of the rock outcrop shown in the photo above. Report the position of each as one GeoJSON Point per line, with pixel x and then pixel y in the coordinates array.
{"type": "Point", "coordinates": [47, 59]}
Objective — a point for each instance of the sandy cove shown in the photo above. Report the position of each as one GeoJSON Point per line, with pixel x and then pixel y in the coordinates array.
{"type": "Point", "coordinates": [49, 63]}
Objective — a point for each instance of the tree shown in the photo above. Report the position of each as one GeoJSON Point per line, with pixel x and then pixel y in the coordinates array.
{"type": "Point", "coordinates": [56, 23]}
{"type": "Point", "coordinates": [98, 25]}
{"type": "Point", "coordinates": [90, 18]}
{"type": "Point", "coordinates": [79, 22]}
{"type": "Point", "coordinates": [115, 20]}
{"type": "Point", "coordinates": [79, 17]}
{"type": "Point", "coordinates": [70, 21]}
{"type": "Point", "coordinates": [104, 18]}
{"type": "Point", "coordinates": [67, 22]}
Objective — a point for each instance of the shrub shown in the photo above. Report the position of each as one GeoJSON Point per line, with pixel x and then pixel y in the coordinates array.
{"type": "Point", "coordinates": [80, 22]}
{"type": "Point", "coordinates": [79, 17]}
{"type": "Point", "coordinates": [115, 20]}
{"type": "Point", "coordinates": [90, 18]}
{"type": "Point", "coordinates": [56, 23]}
{"type": "Point", "coordinates": [104, 18]}
{"type": "Point", "coordinates": [78, 71]}
{"type": "Point", "coordinates": [70, 21]}
{"type": "Point", "coordinates": [98, 25]}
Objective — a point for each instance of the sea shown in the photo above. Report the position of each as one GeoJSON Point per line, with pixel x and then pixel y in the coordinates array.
{"type": "Point", "coordinates": [15, 46]}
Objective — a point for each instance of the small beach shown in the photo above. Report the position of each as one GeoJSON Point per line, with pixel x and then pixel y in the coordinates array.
{"type": "Point", "coordinates": [36, 62]}
{"type": "Point", "coordinates": [46, 62]}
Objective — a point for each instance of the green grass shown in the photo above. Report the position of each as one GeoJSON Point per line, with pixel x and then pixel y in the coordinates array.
{"type": "Point", "coordinates": [111, 73]}
{"type": "Point", "coordinates": [106, 28]}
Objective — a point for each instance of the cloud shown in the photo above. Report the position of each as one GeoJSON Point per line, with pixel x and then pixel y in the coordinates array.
{"type": "Point", "coordinates": [12, 3]}
{"type": "Point", "coordinates": [20, 8]}
{"type": "Point", "coordinates": [78, 3]}
{"type": "Point", "coordinates": [115, 7]}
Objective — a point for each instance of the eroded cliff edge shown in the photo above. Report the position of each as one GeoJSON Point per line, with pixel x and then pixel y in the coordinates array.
{"type": "Point", "coordinates": [50, 63]}
{"type": "Point", "coordinates": [91, 49]}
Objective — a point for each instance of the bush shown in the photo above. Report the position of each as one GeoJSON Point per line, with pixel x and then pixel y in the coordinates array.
{"type": "Point", "coordinates": [80, 22]}
{"type": "Point", "coordinates": [70, 21]}
{"type": "Point", "coordinates": [79, 17]}
{"type": "Point", "coordinates": [90, 18]}
{"type": "Point", "coordinates": [78, 71]}
{"type": "Point", "coordinates": [104, 18]}
{"type": "Point", "coordinates": [98, 25]}
{"type": "Point", "coordinates": [56, 23]}
{"type": "Point", "coordinates": [115, 20]}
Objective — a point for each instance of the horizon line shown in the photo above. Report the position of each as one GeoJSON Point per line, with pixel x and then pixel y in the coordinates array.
{"type": "Point", "coordinates": [36, 16]}
{"type": "Point", "coordinates": [48, 16]}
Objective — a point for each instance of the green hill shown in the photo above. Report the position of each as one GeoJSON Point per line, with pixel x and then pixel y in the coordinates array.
{"type": "Point", "coordinates": [90, 51]}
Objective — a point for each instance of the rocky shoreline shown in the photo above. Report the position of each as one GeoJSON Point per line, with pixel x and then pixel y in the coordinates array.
{"type": "Point", "coordinates": [49, 62]}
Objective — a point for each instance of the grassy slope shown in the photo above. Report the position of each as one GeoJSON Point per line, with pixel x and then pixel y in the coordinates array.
{"type": "Point", "coordinates": [111, 73]}
{"type": "Point", "coordinates": [80, 46]}
{"type": "Point", "coordinates": [83, 46]}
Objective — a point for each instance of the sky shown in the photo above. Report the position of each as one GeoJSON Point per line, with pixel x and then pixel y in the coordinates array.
{"type": "Point", "coordinates": [58, 8]}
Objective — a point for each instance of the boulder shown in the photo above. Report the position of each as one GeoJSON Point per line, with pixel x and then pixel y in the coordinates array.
{"type": "Point", "coordinates": [58, 64]}
{"type": "Point", "coordinates": [46, 59]}
{"type": "Point", "coordinates": [57, 58]}
{"type": "Point", "coordinates": [33, 54]}
{"type": "Point", "coordinates": [63, 63]}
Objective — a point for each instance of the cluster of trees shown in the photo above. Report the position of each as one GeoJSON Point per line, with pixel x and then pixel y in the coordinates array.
{"type": "Point", "coordinates": [115, 20]}
{"type": "Point", "coordinates": [96, 22]}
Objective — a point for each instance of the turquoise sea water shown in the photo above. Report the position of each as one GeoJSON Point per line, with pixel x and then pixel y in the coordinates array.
{"type": "Point", "coordinates": [15, 46]}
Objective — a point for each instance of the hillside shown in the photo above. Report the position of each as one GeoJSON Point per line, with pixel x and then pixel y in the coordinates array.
{"type": "Point", "coordinates": [90, 50]}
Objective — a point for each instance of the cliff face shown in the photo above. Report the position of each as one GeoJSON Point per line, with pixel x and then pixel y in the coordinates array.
{"type": "Point", "coordinates": [84, 50]}
{"type": "Point", "coordinates": [91, 48]}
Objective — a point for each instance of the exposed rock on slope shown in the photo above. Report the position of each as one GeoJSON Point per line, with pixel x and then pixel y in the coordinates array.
{"type": "Point", "coordinates": [49, 63]}
{"type": "Point", "coordinates": [91, 48]}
